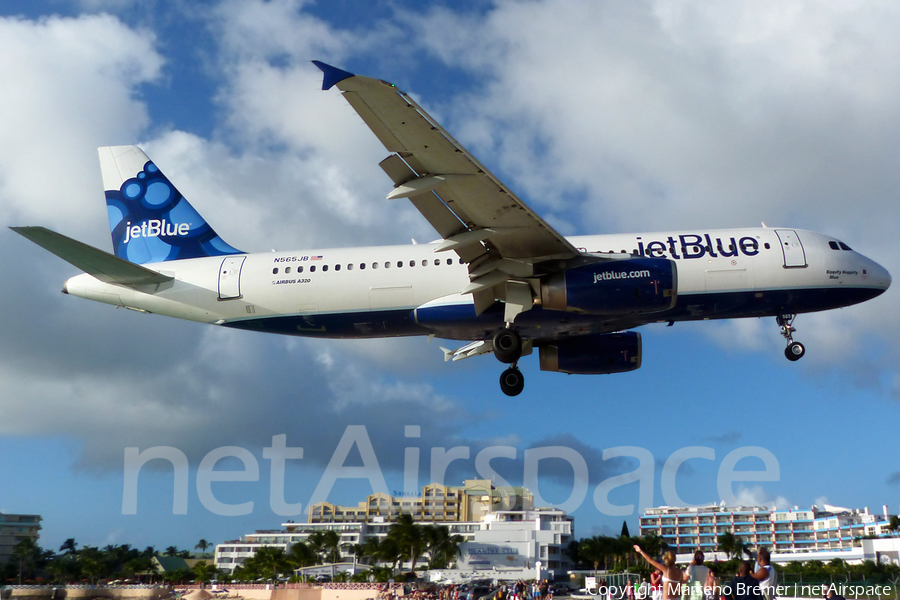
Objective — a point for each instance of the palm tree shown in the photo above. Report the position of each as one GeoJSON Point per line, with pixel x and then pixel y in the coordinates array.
{"type": "Point", "coordinates": [372, 549]}
{"type": "Point", "coordinates": [390, 551]}
{"type": "Point", "coordinates": [894, 525]}
{"type": "Point", "coordinates": [410, 538]}
{"type": "Point", "coordinates": [92, 564]}
{"type": "Point", "coordinates": [171, 551]}
{"type": "Point", "coordinates": [302, 555]}
{"type": "Point", "coordinates": [202, 546]}
{"type": "Point", "coordinates": [270, 560]}
{"type": "Point", "coordinates": [326, 544]}
{"type": "Point", "coordinates": [593, 550]}
{"type": "Point", "coordinates": [727, 543]}
{"type": "Point", "coordinates": [652, 544]}
{"type": "Point", "coordinates": [60, 569]}
{"type": "Point", "coordinates": [69, 546]}
{"type": "Point", "coordinates": [442, 547]}
{"type": "Point", "coordinates": [333, 545]}
{"type": "Point", "coordinates": [204, 571]}
{"type": "Point", "coordinates": [25, 554]}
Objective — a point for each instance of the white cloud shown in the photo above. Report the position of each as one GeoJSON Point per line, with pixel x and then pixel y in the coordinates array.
{"type": "Point", "coordinates": [68, 86]}
{"type": "Point", "coordinates": [757, 496]}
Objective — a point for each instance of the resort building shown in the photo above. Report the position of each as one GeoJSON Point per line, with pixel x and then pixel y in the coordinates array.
{"type": "Point", "coordinates": [500, 526]}
{"type": "Point", "coordinates": [437, 504]}
{"type": "Point", "coordinates": [15, 529]}
{"type": "Point", "coordinates": [831, 530]}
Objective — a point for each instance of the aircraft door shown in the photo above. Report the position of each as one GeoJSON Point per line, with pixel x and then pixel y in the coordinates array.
{"type": "Point", "coordinates": [794, 255]}
{"type": "Point", "coordinates": [230, 277]}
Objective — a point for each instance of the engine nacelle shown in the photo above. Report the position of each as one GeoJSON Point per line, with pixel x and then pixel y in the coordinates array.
{"type": "Point", "coordinates": [616, 287]}
{"type": "Point", "coordinates": [594, 354]}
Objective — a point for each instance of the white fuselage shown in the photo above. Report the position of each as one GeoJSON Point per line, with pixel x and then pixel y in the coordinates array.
{"type": "Point", "coordinates": [372, 291]}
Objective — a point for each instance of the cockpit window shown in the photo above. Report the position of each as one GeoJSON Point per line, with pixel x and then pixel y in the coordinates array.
{"type": "Point", "coordinates": [844, 246]}
{"type": "Point", "coordinates": [833, 245]}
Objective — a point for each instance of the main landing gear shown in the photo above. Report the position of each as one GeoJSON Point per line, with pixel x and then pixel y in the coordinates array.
{"type": "Point", "coordinates": [507, 345]}
{"type": "Point", "coordinates": [794, 350]}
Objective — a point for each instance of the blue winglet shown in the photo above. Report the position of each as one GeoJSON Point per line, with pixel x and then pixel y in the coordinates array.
{"type": "Point", "coordinates": [333, 75]}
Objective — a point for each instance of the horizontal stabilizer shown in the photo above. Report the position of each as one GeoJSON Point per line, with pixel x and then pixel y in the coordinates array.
{"type": "Point", "coordinates": [106, 267]}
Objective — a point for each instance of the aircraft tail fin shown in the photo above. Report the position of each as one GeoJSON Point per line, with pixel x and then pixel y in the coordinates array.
{"type": "Point", "coordinates": [149, 219]}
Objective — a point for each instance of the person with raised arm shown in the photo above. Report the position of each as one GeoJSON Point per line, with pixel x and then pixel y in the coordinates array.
{"type": "Point", "coordinates": [671, 575]}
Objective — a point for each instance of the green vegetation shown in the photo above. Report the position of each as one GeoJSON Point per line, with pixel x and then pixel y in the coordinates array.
{"type": "Point", "coordinates": [407, 540]}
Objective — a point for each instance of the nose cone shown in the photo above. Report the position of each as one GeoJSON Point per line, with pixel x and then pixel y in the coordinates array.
{"type": "Point", "coordinates": [877, 276]}
{"type": "Point", "coordinates": [880, 277]}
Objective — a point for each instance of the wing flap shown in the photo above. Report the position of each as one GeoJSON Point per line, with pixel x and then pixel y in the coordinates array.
{"type": "Point", "coordinates": [106, 267]}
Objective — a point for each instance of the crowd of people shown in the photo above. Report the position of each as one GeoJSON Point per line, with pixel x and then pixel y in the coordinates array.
{"type": "Point", "coordinates": [521, 590]}
{"type": "Point", "coordinates": [698, 582]}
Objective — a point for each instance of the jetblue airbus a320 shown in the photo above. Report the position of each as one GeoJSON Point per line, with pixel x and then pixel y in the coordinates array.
{"type": "Point", "coordinates": [500, 278]}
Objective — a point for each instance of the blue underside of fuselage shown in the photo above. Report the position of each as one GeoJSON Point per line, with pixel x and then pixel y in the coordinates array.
{"type": "Point", "coordinates": [537, 324]}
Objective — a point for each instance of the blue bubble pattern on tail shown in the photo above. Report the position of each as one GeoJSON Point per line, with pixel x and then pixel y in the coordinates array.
{"type": "Point", "coordinates": [151, 222]}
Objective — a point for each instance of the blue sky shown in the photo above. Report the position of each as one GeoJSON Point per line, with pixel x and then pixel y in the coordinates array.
{"type": "Point", "coordinates": [603, 117]}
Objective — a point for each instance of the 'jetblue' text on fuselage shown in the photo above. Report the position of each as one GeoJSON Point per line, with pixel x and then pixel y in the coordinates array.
{"type": "Point", "coordinates": [693, 245]}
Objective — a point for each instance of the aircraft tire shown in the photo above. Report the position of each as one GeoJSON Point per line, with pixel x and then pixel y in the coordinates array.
{"type": "Point", "coordinates": [794, 351]}
{"type": "Point", "coordinates": [507, 346]}
{"type": "Point", "coordinates": [512, 382]}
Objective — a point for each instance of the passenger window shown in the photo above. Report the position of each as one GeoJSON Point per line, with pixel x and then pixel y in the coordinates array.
{"type": "Point", "coordinates": [399, 263]}
{"type": "Point", "coordinates": [300, 269]}
{"type": "Point", "coordinates": [324, 267]}
{"type": "Point", "coordinates": [833, 245]}
{"type": "Point", "coordinates": [312, 269]}
{"type": "Point", "coordinates": [287, 270]}
{"type": "Point", "coordinates": [767, 245]}
{"type": "Point", "coordinates": [362, 266]}
{"type": "Point", "coordinates": [387, 265]}
{"type": "Point", "coordinates": [275, 271]}
{"type": "Point", "coordinates": [424, 263]}
{"type": "Point", "coordinates": [374, 265]}
{"type": "Point", "coordinates": [844, 246]}
{"type": "Point", "coordinates": [449, 261]}
{"type": "Point", "coordinates": [337, 267]}
{"type": "Point", "coordinates": [350, 267]}
{"type": "Point", "coordinates": [412, 263]}
{"type": "Point", "coordinates": [437, 262]}
{"type": "Point", "coordinates": [462, 262]}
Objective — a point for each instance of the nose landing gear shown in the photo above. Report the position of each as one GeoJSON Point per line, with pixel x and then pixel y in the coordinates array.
{"type": "Point", "coordinates": [507, 345]}
{"type": "Point", "coordinates": [794, 350]}
{"type": "Point", "coordinates": [512, 382]}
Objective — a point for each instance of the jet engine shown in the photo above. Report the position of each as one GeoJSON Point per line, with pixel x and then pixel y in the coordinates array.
{"type": "Point", "coordinates": [615, 287]}
{"type": "Point", "coordinates": [593, 354]}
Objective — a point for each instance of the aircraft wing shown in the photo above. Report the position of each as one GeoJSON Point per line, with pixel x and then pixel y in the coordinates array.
{"type": "Point", "coordinates": [106, 267]}
{"type": "Point", "coordinates": [480, 219]}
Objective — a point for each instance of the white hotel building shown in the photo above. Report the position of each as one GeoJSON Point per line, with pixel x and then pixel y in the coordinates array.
{"type": "Point", "coordinates": [505, 532]}
{"type": "Point", "coordinates": [796, 534]}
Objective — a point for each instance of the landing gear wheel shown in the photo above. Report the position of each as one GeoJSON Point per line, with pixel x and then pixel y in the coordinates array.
{"type": "Point", "coordinates": [794, 351]}
{"type": "Point", "coordinates": [507, 346]}
{"type": "Point", "coordinates": [512, 382]}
